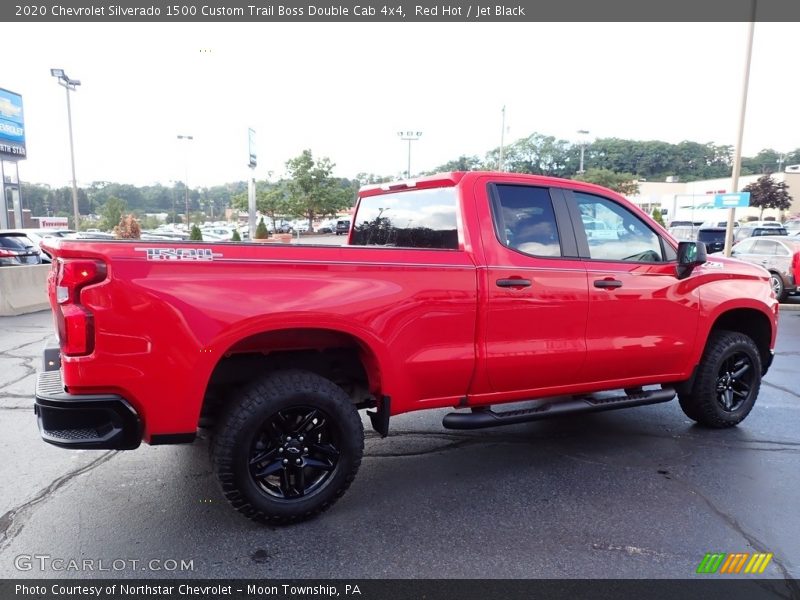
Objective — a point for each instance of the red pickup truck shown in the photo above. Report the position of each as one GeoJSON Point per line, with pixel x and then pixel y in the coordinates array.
{"type": "Point", "coordinates": [461, 290]}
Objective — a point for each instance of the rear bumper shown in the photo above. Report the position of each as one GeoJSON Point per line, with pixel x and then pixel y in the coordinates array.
{"type": "Point", "coordinates": [90, 421]}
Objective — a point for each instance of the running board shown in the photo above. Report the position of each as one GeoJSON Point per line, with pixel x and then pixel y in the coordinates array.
{"type": "Point", "coordinates": [486, 417]}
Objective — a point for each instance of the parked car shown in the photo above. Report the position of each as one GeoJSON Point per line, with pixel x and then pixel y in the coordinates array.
{"type": "Point", "coordinates": [680, 224]}
{"type": "Point", "coordinates": [712, 237]}
{"type": "Point", "coordinates": [684, 233]}
{"type": "Point", "coordinates": [342, 226]}
{"type": "Point", "coordinates": [90, 235]}
{"type": "Point", "coordinates": [746, 231]}
{"type": "Point", "coordinates": [780, 255]}
{"type": "Point", "coordinates": [16, 249]}
{"type": "Point", "coordinates": [719, 224]}
{"type": "Point", "coordinates": [763, 224]}
{"type": "Point", "coordinates": [35, 236]}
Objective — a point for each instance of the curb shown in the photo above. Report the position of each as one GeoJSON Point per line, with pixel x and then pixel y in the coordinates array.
{"type": "Point", "coordinates": [790, 307]}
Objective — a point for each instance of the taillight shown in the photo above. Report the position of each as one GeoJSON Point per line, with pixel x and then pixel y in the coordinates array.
{"type": "Point", "coordinates": [796, 266]}
{"type": "Point", "coordinates": [5, 253]}
{"type": "Point", "coordinates": [75, 322]}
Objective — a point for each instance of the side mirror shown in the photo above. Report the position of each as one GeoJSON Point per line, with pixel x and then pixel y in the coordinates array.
{"type": "Point", "coordinates": [690, 255]}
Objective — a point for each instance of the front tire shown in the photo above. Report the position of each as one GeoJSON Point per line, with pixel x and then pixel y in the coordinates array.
{"type": "Point", "coordinates": [289, 448]}
{"type": "Point", "coordinates": [727, 381]}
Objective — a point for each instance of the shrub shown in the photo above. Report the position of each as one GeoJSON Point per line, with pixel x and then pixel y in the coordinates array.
{"type": "Point", "coordinates": [261, 230]}
{"type": "Point", "coordinates": [128, 228]}
{"type": "Point", "coordinates": [196, 235]}
{"type": "Point", "coordinates": [236, 237]}
{"type": "Point", "coordinates": [657, 216]}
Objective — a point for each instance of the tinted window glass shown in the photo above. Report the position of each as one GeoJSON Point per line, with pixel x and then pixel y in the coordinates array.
{"type": "Point", "coordinates": [710, 236]}
{"type": "Point", "coordinates": [615, 233]}
{"type": "Point", "coordinates": [524, 220]}
{"type": "Point", "coordinates": [13, 242]}
{"type": "Point", "coordinates": [410, 219]}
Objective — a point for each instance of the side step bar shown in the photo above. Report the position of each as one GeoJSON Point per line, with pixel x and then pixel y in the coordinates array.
{"type": "Point", "coordinates": [486, 417]}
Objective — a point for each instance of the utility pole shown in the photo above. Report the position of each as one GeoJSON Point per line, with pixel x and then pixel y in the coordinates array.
{"type": "Point", "coordinates": [737, 156]}
{"type": "Point", "coordinates": [502, 140]}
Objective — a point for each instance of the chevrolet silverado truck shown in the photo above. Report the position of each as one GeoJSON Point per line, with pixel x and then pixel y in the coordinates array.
{"type": "Point", "coordinates": [467, 290]}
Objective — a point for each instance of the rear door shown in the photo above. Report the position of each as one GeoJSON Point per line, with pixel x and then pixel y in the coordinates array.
{"type": "Point", "coordinates": [534, 286]}
{"type": "Point", "coordinates": [641, 320]}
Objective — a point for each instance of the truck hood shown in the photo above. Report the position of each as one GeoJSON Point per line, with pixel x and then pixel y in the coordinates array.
{"type": "Point", "coordinates": [733, 267]}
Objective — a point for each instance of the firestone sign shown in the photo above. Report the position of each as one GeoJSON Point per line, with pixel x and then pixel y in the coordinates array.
{"type": "Point", "coordinates": [12, 126]}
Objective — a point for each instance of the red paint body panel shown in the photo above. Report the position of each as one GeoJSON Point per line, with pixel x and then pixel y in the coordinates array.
{"type": "Point", "coordinates": [432, 327]}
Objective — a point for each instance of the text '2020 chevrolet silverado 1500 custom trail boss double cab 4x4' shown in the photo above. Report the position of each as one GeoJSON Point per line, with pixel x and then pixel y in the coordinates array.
{"type": "Point", "coordinates": [463, 290]}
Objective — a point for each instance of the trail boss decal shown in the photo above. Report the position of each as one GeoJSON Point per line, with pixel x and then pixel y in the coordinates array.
{"type": "Point", "coordinates": [203, 254]}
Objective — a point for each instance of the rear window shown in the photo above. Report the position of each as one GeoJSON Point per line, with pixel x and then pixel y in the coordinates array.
{"type": "Point", "coordinates": [15, 242]}
{"type": "Point", "coordinates": [710, 235]}
{"type": "Point", "coordinates": [425, 218]}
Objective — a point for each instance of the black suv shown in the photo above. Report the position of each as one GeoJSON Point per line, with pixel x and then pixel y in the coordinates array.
{"type": "Point", "coordinates": [713, 238]}
{"type": "Point", "coordinates": [342, 226]}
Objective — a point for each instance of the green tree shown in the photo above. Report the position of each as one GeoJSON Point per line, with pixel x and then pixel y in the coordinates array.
{"type": "Point", "coordinates": [312, 191]}
{"type": "Point", "coordinates": [236, 237]}
{"type": "Point", "coordinates": [196, 235]}
{"type": "Point", "coordinates": [657, 216]}
{"type": "Point", "coordinates": [261, 230]}
{"type": "Point", "coordinates": [768, 193]}
{"type": "Point", "coordinates": [111, 213]}
{"type": "Point", "coordinates": [462, 163]}
{"type": "Point", "coordinates": [624, 183]}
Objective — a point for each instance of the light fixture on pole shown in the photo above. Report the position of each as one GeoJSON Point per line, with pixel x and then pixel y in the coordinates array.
{"type": "Point", "coordinates": [188, 138]}
{"type": "Point", "coordinates": [410, 136]}
{"type": "Point", "coordinates": [583, 133]}
{"type": "Point", "coordinates": [70, 85]}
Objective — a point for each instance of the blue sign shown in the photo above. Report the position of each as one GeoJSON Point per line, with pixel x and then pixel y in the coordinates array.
{"type": "Point", "coordinates": [12, 126]}
{"type": "Point", "coordinates": [732, 200]}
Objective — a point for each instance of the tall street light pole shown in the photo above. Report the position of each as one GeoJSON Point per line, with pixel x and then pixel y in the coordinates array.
{"type": "Point", "coordinates": [502, 141]}
{"type": "Point", "coordinates": [70, 85]}
{"type": "Point", "coordinates": [188, 138]}
{"type": "Point", "coordinates": [583, 133]}
{"type": "Point", "coordinates": [410, 136]}
{"type": "Point", "coordinates": [737, 154]}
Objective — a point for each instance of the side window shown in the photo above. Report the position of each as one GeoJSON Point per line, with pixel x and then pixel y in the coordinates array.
{"type": "Point", "coordinates": [743, 247]}
{"type": "Point", "coordinates": [615, 233]}
{"type": "Point", "coordinates": [417, 218]}
{"type": "Point", "coordinates": [765, 247]}
{"type": "Point", "coordinates": [525, 221]}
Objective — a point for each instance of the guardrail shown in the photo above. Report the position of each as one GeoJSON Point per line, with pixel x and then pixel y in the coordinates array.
{"type": "Point", "coordinates": [23, 289]}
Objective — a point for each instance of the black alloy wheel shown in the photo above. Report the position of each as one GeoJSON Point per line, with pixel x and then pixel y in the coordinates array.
{"type": "Point", "coordinates": [294, 453]}
{"type": "Point", "coordinates": [735, 381]}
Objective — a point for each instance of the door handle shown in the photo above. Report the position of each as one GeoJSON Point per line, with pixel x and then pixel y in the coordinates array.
{"type": "Point", "coordinates": [513, 282]}
{"type": "Point", "coordinates": [607, 283]}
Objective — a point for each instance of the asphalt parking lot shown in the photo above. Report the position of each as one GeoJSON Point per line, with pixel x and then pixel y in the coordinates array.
{"type": "Point", "coordinates": [638, 493]}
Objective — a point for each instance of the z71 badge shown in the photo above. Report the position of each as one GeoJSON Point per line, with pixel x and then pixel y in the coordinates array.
{"type": "Point", "coordinates": [204, 254]}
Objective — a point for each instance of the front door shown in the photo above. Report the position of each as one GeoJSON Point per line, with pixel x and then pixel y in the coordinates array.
{"type": "Point", "coordinates": [642, 320]}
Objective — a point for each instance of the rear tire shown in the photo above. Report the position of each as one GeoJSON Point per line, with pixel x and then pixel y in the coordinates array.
{"type": "Point", "coordinates": [727, 381]}
{"type": "Point", "coordinates": [289, 448]}
{"type": "Point", "coordinates": [776, 281]}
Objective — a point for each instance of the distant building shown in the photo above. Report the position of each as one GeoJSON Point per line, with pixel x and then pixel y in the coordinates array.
{"type": "Point", "coordinates": [694, 200]}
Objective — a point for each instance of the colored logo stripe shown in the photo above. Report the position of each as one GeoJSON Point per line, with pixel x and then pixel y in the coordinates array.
{"type": "Point", "coordinates": [721, 562]}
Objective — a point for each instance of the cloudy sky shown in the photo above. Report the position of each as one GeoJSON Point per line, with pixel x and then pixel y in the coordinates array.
{"type": "Point", "coordinates": [345, 90]}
